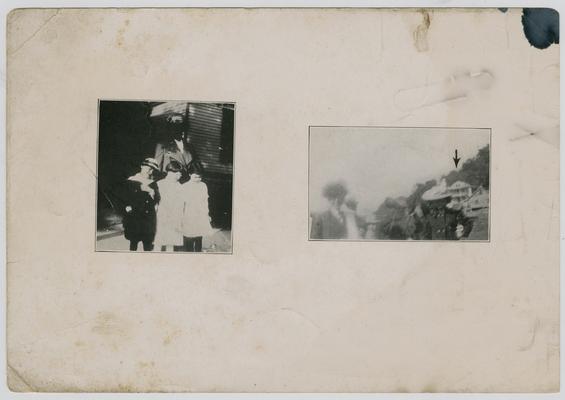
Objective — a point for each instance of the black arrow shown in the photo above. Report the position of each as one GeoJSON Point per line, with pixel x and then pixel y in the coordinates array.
{"type": "Point", "coordinates": [456, 159]}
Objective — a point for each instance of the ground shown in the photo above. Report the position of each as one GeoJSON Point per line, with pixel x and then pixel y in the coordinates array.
{"type": "Point", "coordinates": [112, 239]}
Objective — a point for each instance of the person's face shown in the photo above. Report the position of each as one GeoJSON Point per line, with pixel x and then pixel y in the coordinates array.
{"type": "Point", "coordinates": [340, 201]}
{"type": "Point", "coordinates": [146, 171]}
{"type": "Point", "coordinates": [176, 127]}
{"type": "Point", "coordinates": [336, 202]}
{"type": "Point", "coordinates": [177, 133]}
{"type": "Point", "coordinates": [174, 175]}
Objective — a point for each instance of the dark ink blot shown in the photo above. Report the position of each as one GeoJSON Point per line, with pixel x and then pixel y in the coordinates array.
{"type": "Point", "coordinates": [503, 9]}
{"type": "Point", "coordinates": [541, 26]}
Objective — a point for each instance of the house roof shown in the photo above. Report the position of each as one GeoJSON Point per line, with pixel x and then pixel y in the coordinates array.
{"type": "Point", "coordinates": [480, 191]}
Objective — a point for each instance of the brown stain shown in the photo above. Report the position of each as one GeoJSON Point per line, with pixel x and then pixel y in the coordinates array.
{"type": "Point", "coordinates": [421, 32]}
{"type": "Point", "coordinates": [120, 36]}
{"type": "Point", "coordinates": [148, 364]}
{"type": "Point", "coordinates": [108, 324]}
{"type": "Point", "coordinates": [127, 388]}
{"type": "Point", "coordinates": [171, 336]}
{"type": "Point", "coordinates": [430, 388]}
{"type": "Point", "coordinates": [238, 323]}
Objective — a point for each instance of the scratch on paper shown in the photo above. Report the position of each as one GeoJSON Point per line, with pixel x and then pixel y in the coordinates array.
{"type": "Point", "coordinates": [302, 316]}
{"type": "Point", "coordinates": [533, 337]}
{"type": "Point", "coordinates": [455, 87]}
{"type": "Point", "coordinates": [34, 34]}
{"type": "Point", "coordinates": [17, 383]}
{"type": "Point", "coordinates": [548, 134]}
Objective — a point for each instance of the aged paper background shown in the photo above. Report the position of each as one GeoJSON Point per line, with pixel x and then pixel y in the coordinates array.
{"type": "Point", "coordinates": [281, 314]}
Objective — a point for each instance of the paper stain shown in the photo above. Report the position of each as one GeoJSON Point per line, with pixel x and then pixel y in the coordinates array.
{"type": "Point", "coordinates": [120, 36]}
{"type": "Point", "coordinates": [541, 26]}
{"type": "Point", "coordinates": [170, 336]}
{"type": "Point", "coordinates": [421, 32]}
{"type": "Point", "coordinates": [143, 364]}
{"type": "Point", "coordinates": [108, 324]}
{"type": "Point", "coordinates": [259, 348]}
{"type": "Point", "coordinates": [430, 388]}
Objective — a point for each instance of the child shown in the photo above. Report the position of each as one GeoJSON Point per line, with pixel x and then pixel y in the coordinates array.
{"type": "Point", "coordinates": [169, 213]}
{"type": "Point", "coordinates": [196, 218]}
{"type": "Point", "coordinates": [139, 219]}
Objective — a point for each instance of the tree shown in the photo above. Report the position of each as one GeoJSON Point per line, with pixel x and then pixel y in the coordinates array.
{"type": "Point", "coordinates": [474, 171]}
{"type": "Point", "coordinates": [419, 190]}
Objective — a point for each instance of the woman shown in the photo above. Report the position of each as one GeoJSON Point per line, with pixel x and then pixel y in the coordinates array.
{"type": "Point", "coordinates": [169, 214]}
{"type": "Point", "coordinates": [331, 224]}
{"type": "Point", "coordinates": [196, 218]}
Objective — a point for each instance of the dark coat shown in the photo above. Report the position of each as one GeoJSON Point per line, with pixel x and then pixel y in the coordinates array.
{"type": "Point", "coordinates": [141, 222]}
{"type": "Point", "coordinates": [326, 226]}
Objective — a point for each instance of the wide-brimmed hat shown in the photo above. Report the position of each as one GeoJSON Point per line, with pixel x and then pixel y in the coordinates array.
{"type": "Point", "coordinates": [151, 162]}
{"type": "Point", "coordinates": [335, 190]}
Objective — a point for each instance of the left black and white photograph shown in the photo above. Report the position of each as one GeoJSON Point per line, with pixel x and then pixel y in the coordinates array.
{"type": "Point", "coordinates": [165, 176]}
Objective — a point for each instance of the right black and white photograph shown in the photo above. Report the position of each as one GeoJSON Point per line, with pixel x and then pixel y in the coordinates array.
{"type": "Point", "coordinates": [399, 184]}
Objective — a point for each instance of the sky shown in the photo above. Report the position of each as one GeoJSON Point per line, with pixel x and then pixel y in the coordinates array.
{"type": "Point", "coordinates": [377, 163]}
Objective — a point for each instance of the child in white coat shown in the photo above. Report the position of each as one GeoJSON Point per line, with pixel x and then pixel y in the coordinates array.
{"type": "Point", "coordinates": [170, 211]}
{"type": "Point", "coordinates": [196, 218]}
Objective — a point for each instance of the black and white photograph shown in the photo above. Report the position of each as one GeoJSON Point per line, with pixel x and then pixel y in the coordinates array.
{"type": "Point", "coordinates": [165, 176]}
{"type": "Point", "coordinates": [399, 184]}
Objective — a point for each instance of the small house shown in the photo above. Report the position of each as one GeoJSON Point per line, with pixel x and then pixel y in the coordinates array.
{"type": "Point", "coordinates": [459, 191]}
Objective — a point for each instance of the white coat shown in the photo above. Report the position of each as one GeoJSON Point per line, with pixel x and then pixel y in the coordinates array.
{"type": "Point", "coordinates": [196, 218]}
{"type": "Point", "coordinates": [169, 213]}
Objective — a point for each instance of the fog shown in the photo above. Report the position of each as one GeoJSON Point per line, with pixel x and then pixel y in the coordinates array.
{"type": "Point", "coordinates": [377, 163]}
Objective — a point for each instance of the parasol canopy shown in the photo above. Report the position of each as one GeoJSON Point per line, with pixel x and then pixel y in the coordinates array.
{"type": "Point", "coordinates": [437, 192]}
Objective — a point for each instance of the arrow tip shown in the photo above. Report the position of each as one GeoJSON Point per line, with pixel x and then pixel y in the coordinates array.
{"type": "Point", "coordinates": [456, 159]}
